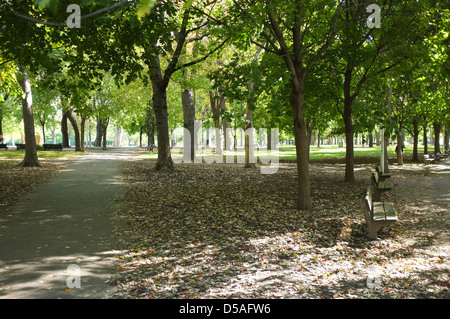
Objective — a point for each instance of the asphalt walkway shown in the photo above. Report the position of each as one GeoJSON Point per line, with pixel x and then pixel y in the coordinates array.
{"type": "Point", "coordinates": [59, 241]}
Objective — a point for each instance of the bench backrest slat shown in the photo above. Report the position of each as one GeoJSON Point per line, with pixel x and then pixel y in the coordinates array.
{"type": "Point", "coordinates": [369, 198]}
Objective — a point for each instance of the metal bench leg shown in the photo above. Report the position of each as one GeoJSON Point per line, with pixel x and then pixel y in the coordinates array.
{"type": "Point", "coordinates": [373, 231]}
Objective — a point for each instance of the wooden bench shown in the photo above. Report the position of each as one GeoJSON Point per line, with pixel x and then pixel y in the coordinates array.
{"type": "Point", "coordinates": [20, 146]}
{"type": "Point", "coordinates": [427, 159]}
{"type": "Point", "coordinates": [439, 156]}
{"type": "Point", "coordinates": [4, 146]}
{"type": "Point", "coordinates": [53, 147]}
{"type": "Point", "coordinates": [383, 175]}
{"type": "Point", "coordinates": [377, 214]}
{"type": "Point", "coordinates": [381, 184]}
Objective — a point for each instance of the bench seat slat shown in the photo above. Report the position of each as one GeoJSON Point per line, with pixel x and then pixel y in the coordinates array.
{"type": "Point", "coordinates": [389, 210]}
{"type": "Point", "coordinates": [378, 212]}
{"type": "Point", "coordinates": [385, 185]}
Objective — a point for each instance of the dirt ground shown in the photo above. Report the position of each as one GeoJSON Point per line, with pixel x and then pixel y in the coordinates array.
{"type": "Point", "coordinates": [221, 231]}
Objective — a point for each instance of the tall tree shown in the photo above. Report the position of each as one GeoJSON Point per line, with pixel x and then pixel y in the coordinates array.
{"type": "Point", "coordinates": [299, 32]}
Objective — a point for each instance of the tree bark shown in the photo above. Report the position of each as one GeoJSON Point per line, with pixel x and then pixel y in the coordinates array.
{"type": "Point", "coordinates": [30, 159]}
{"type": "Point", "coordinates": [82, 132]}
{"type": "Point", "coordinates": [301, 144]}
{"type": "Point", "coordinates": [437, 132]}
{"type": "Point", "coordinates": [249, 161]}
{"type": "Point", "coordinates": [215, 102]}
{"type": "Point", "coordinates": [1, 130]}
{"type": "Point", "coordinates": [225, 128]}
{"type": "Point", "coordinates": [425, 140]}
{"type": "Point", "coordinates": [187, 102]}
{"type": "Point", "coordinates": [415, 156]}
{"type": "Point", "coordinates": [43, 132]}
{"type": "Point", "coordinates": [64, 130]}
{"type": "Point", "coordinates": [98, 138]}
{"type": "Point", "coordinates": [399, 146]}
{"type": "Point", "coordinates": [348, 122]}
{"type": "Point", "coordinates": [150, 127]}
{"type": "Point", "coordinates": [105, 123]}
{"type": "Point", "coordinates": [446, 137]}
{"type": "Point", "coordinates": [76, 130]}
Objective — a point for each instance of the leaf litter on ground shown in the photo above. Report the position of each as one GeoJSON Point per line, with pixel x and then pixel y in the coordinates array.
{"type": "Point", "coordinates": [223, 231]}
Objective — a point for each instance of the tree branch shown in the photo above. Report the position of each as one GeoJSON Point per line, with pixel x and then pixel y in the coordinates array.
{"type": "Point", "coordinates": [203, 58]}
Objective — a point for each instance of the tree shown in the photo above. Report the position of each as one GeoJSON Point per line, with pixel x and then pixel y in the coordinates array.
{"type": "Point", "coordinates": [163, 33]}
{"type": "Point", "coordinates": [299, 32]}
{"type": "Point", "coordinates": [21, 39]}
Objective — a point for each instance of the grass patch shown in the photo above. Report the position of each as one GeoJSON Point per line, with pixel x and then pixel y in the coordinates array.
{"type": "Point", "coordinates": [42, 155]}
{"type": "Point", "coordinates": [288, 153]}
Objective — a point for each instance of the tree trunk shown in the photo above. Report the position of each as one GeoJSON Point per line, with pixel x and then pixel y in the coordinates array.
{"type": "Point", "coordinates": [118, 136]}
{"type": "Point", "coordinates": [425, 140]}
{"type": "Point", "coordinates": [98, 138]}
{"type": "Point", "coordinates": [64, 130]}
{"type": "Point", "coordinates": [43, 132]}
{"type": "Point", "coordinates": [249, 161]}
{"type": "Point", "coordinates": [150, 127]}
{"type": "Point", "coordinates": [415, 156]}
{"type": "Point", "coordinates": [399, 146]}
{"type": "Point", "coordinates": [370, 139]}
{"type": "Point", "coordinates": [30, 159]}
{"type": "Point", "coordinates": [310, 130]}
{"type": "Point", "coordinates": [301, 145]}
{"type": "Point", "coordinates": [82, 129]}
{"type": "Point", "coordinates": [1, 130]}
{"type": "Point", "coordinates": [164, 161]}
{"type": "Point", "coordinates": [446, 138]}
{"type": "Point", "coordinates": [437, 133]}
{"type": "Point", "coordinates": [74, 123]}
{"type": "Point", "coordinates": [349, 150]}
{"type": "Point", "coordinates": [215, 102]}
{"type": "Point", "coordinates": [187, 102]}
{"type": "Point", "coordinates": [105, 123]}
{"type": "Point", "coordinates": [225, 128]}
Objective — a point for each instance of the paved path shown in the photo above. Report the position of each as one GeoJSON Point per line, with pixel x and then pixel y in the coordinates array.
{"type": "Point", "coordinates": [67, 221]}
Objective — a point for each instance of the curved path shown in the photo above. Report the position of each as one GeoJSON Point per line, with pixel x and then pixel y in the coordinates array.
{"type": "Point", "coordinates": [58, 241]}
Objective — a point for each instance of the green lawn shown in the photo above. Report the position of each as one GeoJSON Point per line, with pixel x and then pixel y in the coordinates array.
{"type": "Point", "coordinates": [316, 153]}
{"type": "Point", "coordinates": [12, 154]}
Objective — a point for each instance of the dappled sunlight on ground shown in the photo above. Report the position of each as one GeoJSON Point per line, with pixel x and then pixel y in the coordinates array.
{"type": "Point", "coordinates": [220, 231]}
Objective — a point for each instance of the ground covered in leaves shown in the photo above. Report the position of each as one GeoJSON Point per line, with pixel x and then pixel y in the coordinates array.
{"type": "Point", "coordinates": [222, 231]}
{"type": "Point", "coordinates": [16, 181]}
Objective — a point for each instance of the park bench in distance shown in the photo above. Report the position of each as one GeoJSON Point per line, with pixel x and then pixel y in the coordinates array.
{"type": "Point", "coordinates": [427, 159]}
{"type": "Point", "coordinates": [53, 147]}
{"type": "Point", "coordinates": [380, 182]}
{"type": "Point", "coordinates": [377, 214]}
{"type": "Point", "coordinates": [4, 146]}
{"type": "Point", "coordinates": [20, 146]}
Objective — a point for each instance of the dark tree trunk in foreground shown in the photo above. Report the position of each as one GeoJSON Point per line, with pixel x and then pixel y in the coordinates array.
{"type": "Point", "coordinates": [301, 144]}
{"type": "Point", "coordinates": [30, 159]}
